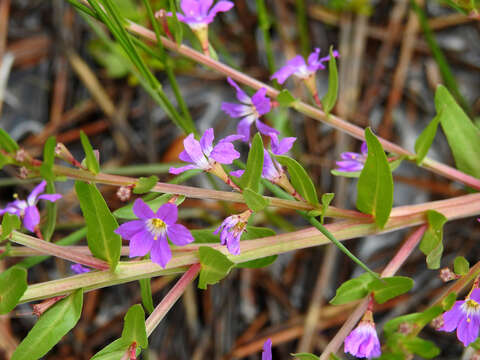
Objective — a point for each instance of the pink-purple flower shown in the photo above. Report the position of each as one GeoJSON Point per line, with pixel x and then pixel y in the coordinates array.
{"type": "Point", "coordinates": [267, 350]}
{"type": "Point", "coordinates": [301, 69]}
{"type": "Point", "coordinates": [363, 341]}
{"type": "Point", "coordinates": [352, 161]}
{"type": "Point", "coordinates": [27, 210]}
{"type": "Point", "coordinates": [465, 317]}
{"type": "Point", "coordinates": [153, 230]}
{"type": "Point", "coordinates": [79, 269]}
{"type": "Point", "coordinates": [200, 13]}
{"type": "Point", "coordinates": [203, 155]}
{"type": "Point", "coordinates": [250, 110]}
{"type": "Point", "coordinates": [231, 230]}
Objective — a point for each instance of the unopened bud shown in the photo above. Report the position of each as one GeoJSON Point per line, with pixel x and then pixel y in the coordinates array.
{"type": "Point", "coordinates": [23, 172]}
{"type": "Point", "coordinates": [437, 323]}
{"type": "Point", "coordinates": [447, 275]}
{"type": "Point", "coordinates": [21, 155]}
{"type": "Point", "coordinates": [124, 193]}
{"type": "Point", "coordinates": [39, 309]}
{"type": "Point", "coordinates": [63, 153]}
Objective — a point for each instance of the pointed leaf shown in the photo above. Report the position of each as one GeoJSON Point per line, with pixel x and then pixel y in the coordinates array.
{"type": "Point", "coordinates": [145, 184]}
{"type": "Point", "coordinates": [146, 293]}
{"type": "Point", "coordinates": [387, 288]}
{"type": "Point", "coordinates": [102, 241]}
{"type": "Point", "coordinates": [50, 328]}
{"type": "Point", "coordinates": [134, 326]}
{"type": "Point", "coordinates": [330, 98]}
{"type": "Point", "coordinates": [13, 283]}
{"type": "Point", "coordinates": [305, 356]}
{"type": "Point", "coordinates": [257, 263]}
{"type": "Point", "coordinates": [425, 140]}
{"type": "Point", "coordinates": [301, 181]}
{"type": "Point", "coordinates": [285, 98]}
{"type": "Point", "coordinates": [431, 244]}
{"type": "Point", "coordinates": [253, 172]}
{"type": "Point", "coordinates": [326, 200]}
{"type": "Point", "coordinates": [254, 200]}
{"type": "Point", "coordinates": [215, 266]}
{"type": "Point", "coordinates": [46, 169]}
{"type": "Point", "coordinates": [424, 348]}
{"type": "Point", "coordinates": [10, 222]}
{"type": "Point", "coordinates": [461, 265]}
{"type": "Point", "coordinates": [353, 289]}
{"type": "Point", "coordinates": [462, 135]}
{"type": "Point", "coordinates": [256, 232]}
{"type": "Point", "coordinates": [91, 159]}
{"type": "Point", "coordinates": [375, 184]}
{"type": "Point", "coordinates": [113, 351]}
{"type": "Point", "coordinates": [7, 143]}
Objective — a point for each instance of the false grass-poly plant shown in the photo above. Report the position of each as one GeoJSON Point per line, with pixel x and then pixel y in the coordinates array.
{"type": "Point", "coordinates": [146, 238]}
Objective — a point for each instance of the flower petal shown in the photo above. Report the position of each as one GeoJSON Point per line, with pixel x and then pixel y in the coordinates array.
{"type": "Point", "coordinates": [452, 317]}
{"type": "Point", "coordinates": [243, 128]}
{"type": "Point", "coordinates": [237, 173]}
{"type": "Point", "coordinates": [140, 243]}
{"type": "Point", "coordinates": [220, 6]}
{"type": "Point", "coordinates": [190, 8]}
{"type": "Point", "coordinates": [206, 142]}
{"type": "Point", "coordinates": [142, 210]}
{"type": "Point", "coordinates": [179, 235]}
{"type": "Point", "coordinates": [241, 95]}
{"type": "Point", "coordinates": [130, 228]}
{"type": "Point", "coordinates": [224, 153]}
{"type": "Point", "coordinates": [194, 150]}
{"type": "Point", "coordinates": [181, 169]}
{"type": "Point", "coordinates": [161, 253]}
{"type": "Point", "coordinates": [79, 269]}
{"type": "Point", "coordinates": [185, 157]}
{"type": "Point", "coordinates": [467, 331]}
{"type": "Point", "coordinates": [364, 148]}
{"type": "Point", "coordinates": [313, 58]}
{"type": "Point", "coordinates": [265, 129]}
{"type": "Point", "coordinates": [236, 110]}
{"type": "Point", "coordinates": [267, 350]}
{"type": "Point", "coordinates": [40, 188]}
{"type": "Point", "coordinates": [282, 147]}
{"type": "Point", "coordinates": [261, 101]}
{"type": "Point", "coordinates": [475, 295]}
{"type": "Point", "coordinates": [168, 213]}
{"type": "Point", "coordinates": [31, 218]}
{"type": "Point", "coordinates": [348, 166]}
{"type": "Point", "coordinates": [204, 6]}
{"type": "Point", "coordinates": [50, 197]}
{"type": "Point", "coordinates": [231, 138]}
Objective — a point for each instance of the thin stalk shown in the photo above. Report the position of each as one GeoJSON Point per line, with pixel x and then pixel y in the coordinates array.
{"type": "Point", "coordinates": [264, 23]}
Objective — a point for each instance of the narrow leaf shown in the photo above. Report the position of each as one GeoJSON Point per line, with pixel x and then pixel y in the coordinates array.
{"type": "Point", "coordinates": [102, 241]}
{"type": "Point", "coordinates": [258, 263]}
{"type": "Point", "coordinates": [462, 135]}
{"type": "Point", "coordinates": [375, 184]}
{"type": "Point", "coordinates": [353, 289]}
{"type": "Point", "coordinates": [91, 159]}
{"type": "Point", "coordinates": [7, 143]}
{"type": "Point", "coordinates": [4, 160]}
{"type": "Point", "coordinates": [214, 266]}
{"type": "Point", "coordinates": [134, 326]}
{"type": "Point", "coordinates": [431, 244]}
{"type": "Point", "coordinates": [285, 98]}
{"type": "Point", "coordinates": [254, 200]}
{"type": "Point", "coordinates": [330, 98]}
{"type": "Point", "coordinates": [49, 227]}
{"type": "Point", "coordinates": [50, 328]}
{"type": "Point", "coordinates": [145, 184]}
{"type": "Point", "coordinates": [305, 356]}
{"type": "Point", "coordinates": [146, 293]}
{"type": "Point", "coordinates": [10, 222]}
{"type": "Point", "coordinates": [424, 348]}
{"type": "Point", "coordinates": [113, 351]}
{"type": "Point", "coordinates": [461, 265]}
{"type": "Point", "coordinates": [387, 288]}
{"type": "Point", "coordinates": [46, 169]}
{"type": "Point", "coordinates": [425, 140]}
{"type": "Point", "coordinates": [253, 172]}
{"type": "Point", "coordinates": [256, 232]}
{"type": "Point", "coordinates": [326, 200]}
{"type": "Point", "coordinates": [301, 181]}
{"type": "Point", "coordinates": [13, 283]}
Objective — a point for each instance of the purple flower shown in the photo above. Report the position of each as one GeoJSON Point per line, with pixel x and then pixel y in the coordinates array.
{"type": "Point", "coordinates": [363, 341]}
{"type": "Point", "coordinates": [203, 155]}
{"type": "Point", "coordinates": [352, 161]}
{"type": "Point", "coordinates": [197, 13]}
{"type": "Point", "coordinates": [231, 230]}
{"type": "Point", "coordinates": [79, 269]}
{"type": "Point", "coordinates": [465, 317]}
{"type": "Point", "coordinates": [250, 110]}
{"type": "Point", "coordinates": [267, 350]}
{"type": "Point", "coordinates": [28, 209]}
{"type": "Point", "coordinates": [298, 67]}
{"type": "Point", "coordinates": [151, 231]}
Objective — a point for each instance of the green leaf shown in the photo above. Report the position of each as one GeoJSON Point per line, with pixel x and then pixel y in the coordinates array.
{"type": "Point", "coordinates": [254, 200]}
{"type": "Point", "coordinates": [305, 356]}
{"type": "Point", "coordinates": [7, 143]}
{"type": "Point", "coordinates": [431, 244]}
{"type": "Point", "coordinates": [330, 98]}
{"type": "Point", "coordinates": [102, 241]}
{"type": "Point", "coordinates": [424, 348]}
{"type": "Point", "coordinates": [49, 227]}
{"type": "Point", "coordinates": [50, 328]}
{"type": "Point", "coordinates": [461, 266]}
{"type": "Point", "coordinates": [13, 283]}
{"type": "Point", "coordinates": [4, 160]}
{"type": "Point", "coordinates": [285, 98]}
{"type": "Point", "coordinates": [375, 184]}
{"type": "Point", "coordinates": [253, 172]}
{"type": "Point", "coordinates": [204, 236]}
{"type": "Point", "coordinates": [326, 200]}
{"type": "Point", "coordinates": [10, 222]}
{"type": "Point", "coordinates": [300, 179]}
{"type": "Point", "coordinates": [462, 135]}
{"type": "Point", "coordinates": [425, 140]}
{"type": "Point", "coordinates": [134, 326]}
{"type": "Point", "coordinates": [91, 159]}
{"type": "Point", "coordinates": [353, 289]}
{"type": "Point", "coordinates": [449, 300]}
{"type": "Point", "coordinates": [416, 319]}
{"type": "Point", "coordinates": [46, 169]}
{"type": "Point", "coordinates": [256, 232]}
{"type": "Point", "coordinates": [146, 293]}
{"type": "Point", "coordinates": [258, 263]}
{"type": "Point", "coordinates": [113, 351]}
{"type": "Point", "coordinates": [145, 184]}
{"type": "Point", "coordinates": [214, 266]}
{"type": "Point", "coordinates": [387, 288]}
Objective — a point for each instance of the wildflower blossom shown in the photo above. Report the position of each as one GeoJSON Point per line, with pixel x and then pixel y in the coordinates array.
{"type": "Point", "coordinates": [231, 230]}
{"type": "Point", "coordinates": [465, 317]}
{"type": "Point", "coordinates": [267, 350]}
{"type": "Point", "coordinates": [203, 155]}
{"type": "Point", "coordinates": [27, 210]}
{"type": "Point", "coordinates": [79, 269]}
{"type": "Point", "coordinates": [352, 161]}
{"type": "Point", "coordinates": [250, 110]}
{"type": "Point", "coordinates": [152, 231]}
{"type": "Point", "coordinates": [363, 341]}
{"type": "Point", "coordinates": [303, 70]}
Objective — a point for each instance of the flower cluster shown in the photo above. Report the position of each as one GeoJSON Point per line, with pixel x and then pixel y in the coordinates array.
{"type": "Point", "coordinates": [363, 341]}
{"type": "Point", "coordinates": [27, 209]}
{"type": "Point", "coordinates": [153, 230]}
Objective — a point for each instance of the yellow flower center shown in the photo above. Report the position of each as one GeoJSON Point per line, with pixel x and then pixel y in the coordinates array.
{"type": "Point", "coordinates": [472, 306]}
{"type": "Point", "coordinates": [158, 224]}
